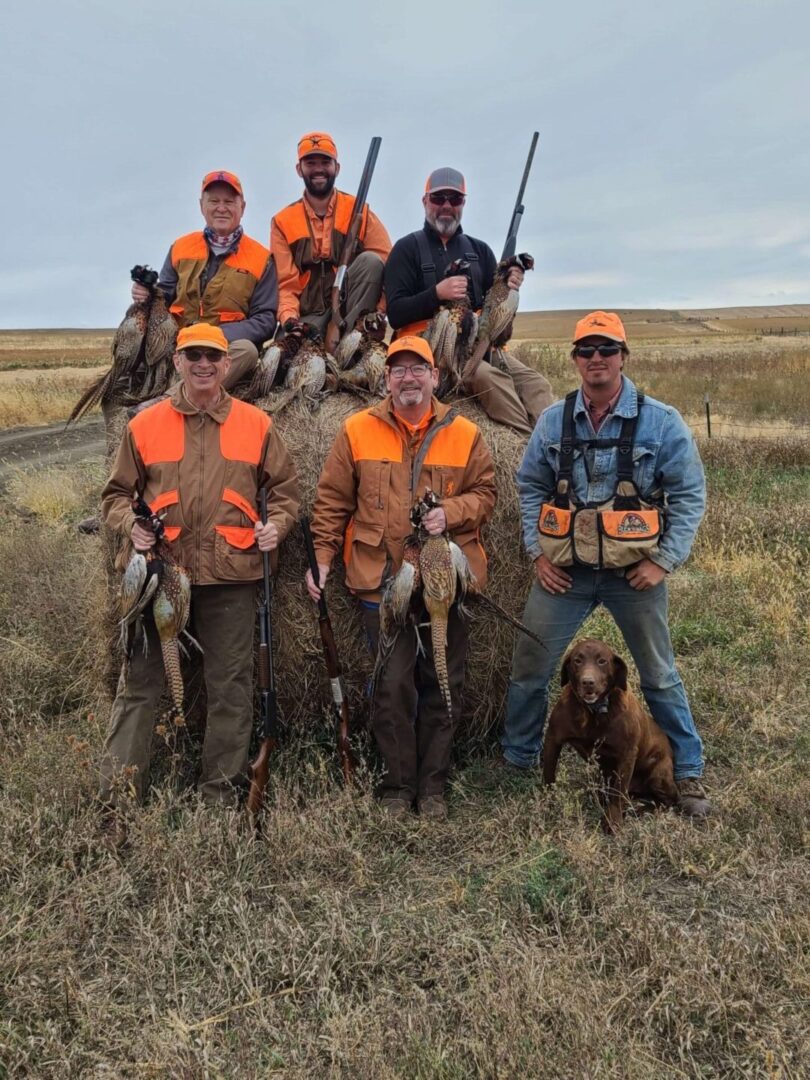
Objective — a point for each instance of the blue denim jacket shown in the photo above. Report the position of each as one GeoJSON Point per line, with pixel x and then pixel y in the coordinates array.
{"type": "Point", "coordinates": [666, 468]}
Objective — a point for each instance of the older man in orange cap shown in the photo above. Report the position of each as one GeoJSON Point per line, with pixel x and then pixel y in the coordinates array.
{"type": "Point", "coordinates": [223, 276]}
{"type": "Point", "coordinates": [306, 239]}
{"type": "Point", "coordinates": [384, 459]}
{"type": "Point", "coordinates": [200, 458]}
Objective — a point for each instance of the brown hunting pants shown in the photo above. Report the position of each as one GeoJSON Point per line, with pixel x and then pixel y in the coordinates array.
{"type": "Point", "coordinates": [222, 620]}
{"type": "Point", "coordinates": [514, 397]}
{"type": "Point", "coordinates": [409, 717]}
{"type": "Point", "coordinates": [362, 289]}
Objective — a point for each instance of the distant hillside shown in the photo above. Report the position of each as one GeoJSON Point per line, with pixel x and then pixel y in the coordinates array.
{"type": "Point", "coordinates": [652, 323]}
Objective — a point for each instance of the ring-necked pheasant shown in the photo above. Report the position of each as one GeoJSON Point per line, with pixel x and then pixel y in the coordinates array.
{"type": "Point", "coordinates": [497, 313]}
{"type": "Point", "coordinates": [156, 578]}
{"type": "Point", "coordinates": [142, 352]}
{"type": "Point", "coordinates": [451, 331]}
{"type": "Point", "coordinates": [435, 570]}
{"type": "Point", "coordinates": [362, 355]}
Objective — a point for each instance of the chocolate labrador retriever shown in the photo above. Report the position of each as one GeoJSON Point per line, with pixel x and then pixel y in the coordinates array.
{"type": "Point", "coordinates": [597, 713]}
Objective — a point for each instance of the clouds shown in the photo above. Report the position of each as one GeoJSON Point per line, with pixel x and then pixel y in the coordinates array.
{"type": "Point", "coordinates": [671, 162]}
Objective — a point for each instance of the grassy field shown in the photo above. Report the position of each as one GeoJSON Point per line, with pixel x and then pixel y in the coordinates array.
{"type": "Point", "coordinates": [514, 941]}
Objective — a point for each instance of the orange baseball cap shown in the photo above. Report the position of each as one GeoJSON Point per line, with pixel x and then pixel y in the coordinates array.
{"type": "Point", "coordinates": [413, 344]}
{"type": "Point", "coordinates": [317, 142]}
{"type": "Point", "coordinates": [602, 324]}
{"type": "Point", "coordinates": [222, 177]}
{"type": "Point", "coordinates": [204, 335]}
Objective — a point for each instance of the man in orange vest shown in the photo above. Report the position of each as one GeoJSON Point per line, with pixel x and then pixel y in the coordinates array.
{"type": "Point", "coordinates": [220, 275]}
{"type": "Point", "coordinates": [306, 239]}
{"type": "Point", "coordinates": [416, 286]}
{"type": "Point", "coordinates": [383, 459]}
{"type": "Point", "coordinates": [199, 458]}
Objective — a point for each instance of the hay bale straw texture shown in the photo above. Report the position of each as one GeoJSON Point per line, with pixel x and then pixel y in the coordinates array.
{"type": "Point", "coordinates": [300, 673]}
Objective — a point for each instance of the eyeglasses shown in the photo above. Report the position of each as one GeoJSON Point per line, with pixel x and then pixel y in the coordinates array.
{"type": "Point", "coordinates": [399, 371]}
{"type": "Point", "coordinates": [587, 351]}
{"type": "Point", "coordinates": [439, 198]}
{"type": "Point", "coordinates": [213, 355]}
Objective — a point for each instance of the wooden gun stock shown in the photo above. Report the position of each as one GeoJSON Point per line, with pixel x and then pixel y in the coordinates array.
{"type": "Point", "coordinates": [340, 706]}
{"type": "Point", "coordinates": [335, 327]}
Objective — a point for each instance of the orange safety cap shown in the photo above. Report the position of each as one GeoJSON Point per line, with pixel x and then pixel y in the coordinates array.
{"type": "Point", "coordinates": [223, 177]}
{"type": "Point", "coordinates": [317, 142]}
{"type": "Point", "coordinates": [203, 335]}
{"type": "Point", "coordinates": [411, 343]}
{"type": "Point", "coordinates": [605, 324]}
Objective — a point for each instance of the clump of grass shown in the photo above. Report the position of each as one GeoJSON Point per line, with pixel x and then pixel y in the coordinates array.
{"type": "Point", "coordinates": [54, 494]}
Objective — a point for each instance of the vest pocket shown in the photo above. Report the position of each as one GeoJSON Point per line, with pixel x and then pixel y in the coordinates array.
{"type": "Point", "coordinates": [236, 557]}
{"type": "Point", "coordinates": [628, 535]}
{"type": "Point", "coordinates": [365, 556]}
{"type": "Point", "coordinates": [555, 526]}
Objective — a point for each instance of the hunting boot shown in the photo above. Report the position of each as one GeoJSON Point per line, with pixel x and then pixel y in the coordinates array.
{"type": "Point", "coordinates": [434, 807]}
{"type": "Point", "coordinates": [395, 808]}
{"type": "Point", "coordinates": [693, 802]}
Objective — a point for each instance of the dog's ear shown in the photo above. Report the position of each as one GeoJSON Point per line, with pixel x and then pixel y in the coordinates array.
{"type": "Point", "coordinates": [619, 673]}
{"type": "Point", "coordinates": [565, 675]}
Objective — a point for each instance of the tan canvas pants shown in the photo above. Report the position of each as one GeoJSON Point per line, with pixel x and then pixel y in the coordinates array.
{"type": "Point", "coordinates": [515, 397]}
{"type": "Point", "coordinates": [413, 731]}
{"type": "Point", "coordinates": [222, 620]}
{"type": "Point", "coordinates": [362, 290]}
{"type": "Point", "coordinates": [244, 357]}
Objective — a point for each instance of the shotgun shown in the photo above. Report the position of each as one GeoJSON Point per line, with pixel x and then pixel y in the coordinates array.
{"type": "Point", "coordinates": [268, 714]}
{"type": "Point", "coordinates": [340, 706]}
{"type": "Point", "coordinates": [510, 247]}
{"type": "Point", "coordinates": [335, 327]}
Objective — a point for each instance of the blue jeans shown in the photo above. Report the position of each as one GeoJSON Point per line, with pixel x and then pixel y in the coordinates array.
{"type": "Point", "coordinates": [556, 618]}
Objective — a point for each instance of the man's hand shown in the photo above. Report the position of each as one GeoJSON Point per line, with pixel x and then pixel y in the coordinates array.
{"type": "Point", "coordinates": [142, 537]}
{"type": "Point", "coordinates": [266, 536]}
{"type": "Point", "coordinates": [312, 588]}
{"type": "Point", "coordinates": [452, 288]}
{"type": "Point", "coordinates": [140, 293]}
{"type": "Point", "coordinates": [551, 577]}
{"type": "Point", "coordinates": [515, 278]}
{"type": "Point", "coordinates": [645, 575]}
{"type": "Point", "coordinates": [435, 522]}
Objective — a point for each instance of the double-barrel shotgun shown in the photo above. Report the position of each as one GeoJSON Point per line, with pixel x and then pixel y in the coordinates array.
{"type": "Point", "coordinates": [510, 247]}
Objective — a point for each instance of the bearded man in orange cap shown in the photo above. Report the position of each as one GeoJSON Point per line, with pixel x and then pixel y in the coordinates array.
{"type": "Point", "coordinates": [221, 275]}
{"type": "Point", "coordinates": [306, 240]}
{"type": "Point", "coordinates": [200, 459]}
{"type": "Point", "coordinates": [385, 458]}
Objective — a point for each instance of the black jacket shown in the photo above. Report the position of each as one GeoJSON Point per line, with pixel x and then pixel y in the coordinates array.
{"type": "Point", "coordinates": [407, 297]}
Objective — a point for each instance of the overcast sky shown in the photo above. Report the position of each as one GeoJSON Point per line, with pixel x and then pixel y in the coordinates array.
{"type": "Point", "coordinates": [673, 168]}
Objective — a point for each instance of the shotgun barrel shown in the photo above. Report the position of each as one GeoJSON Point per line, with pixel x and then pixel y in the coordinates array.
{"type": "Point", "coordinates": [510, 247]}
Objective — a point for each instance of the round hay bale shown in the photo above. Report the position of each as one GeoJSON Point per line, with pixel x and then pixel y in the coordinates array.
{"type": "Point", "coordinates": [302, 686]}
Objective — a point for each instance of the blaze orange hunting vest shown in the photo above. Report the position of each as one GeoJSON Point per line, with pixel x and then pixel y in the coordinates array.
{"type": "Point", "coordinates": [227, 294]}
{"type": "Point", "coordinates": [316, 276]}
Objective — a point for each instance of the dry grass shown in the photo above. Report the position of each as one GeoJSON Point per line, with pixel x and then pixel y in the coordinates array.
{"type": "Point", "coordinates": [29, 398]}
{"type": "Point", "coordinates": [516, 941]}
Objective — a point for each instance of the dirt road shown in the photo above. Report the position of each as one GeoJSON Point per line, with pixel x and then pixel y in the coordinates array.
{"type": "Point", "coordinates": [51, 445]}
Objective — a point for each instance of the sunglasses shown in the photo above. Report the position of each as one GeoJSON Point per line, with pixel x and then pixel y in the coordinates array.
{"type": "Point", "coordinates": [439, 198]}
{"type": "Point", "coordinates": [194, 355]}
{"type": "Point", "coordinates": [587, 351]}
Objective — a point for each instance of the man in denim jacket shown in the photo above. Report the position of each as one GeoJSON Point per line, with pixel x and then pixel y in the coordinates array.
{"type": "Point", "coordinates": [666, 466]}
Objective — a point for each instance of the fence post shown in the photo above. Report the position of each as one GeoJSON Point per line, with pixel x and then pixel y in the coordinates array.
{"type": "Point", "coordinates": [708, 415]}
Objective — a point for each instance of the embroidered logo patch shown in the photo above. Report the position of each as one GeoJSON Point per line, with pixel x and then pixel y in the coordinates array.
{"type": "Point", "coordinates": [633, 523]}
{"type": "Point", "coordinates": [551, 522]}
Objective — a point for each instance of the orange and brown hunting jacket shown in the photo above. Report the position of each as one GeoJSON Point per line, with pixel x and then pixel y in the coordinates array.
{"type": "Point", "coordinates": [306, 249]}
{"type": "Point", "coordinates": [227, 296]}
{"type": "Point", "coordinates": [374, 474]}
{"type": "Point", "coordinates": [202, 471]}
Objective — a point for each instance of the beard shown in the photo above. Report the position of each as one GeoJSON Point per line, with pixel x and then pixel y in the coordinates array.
{"type": "Point", "coordinates": [444, 226]}
{"type": "Point", "coordinates": [321, 191]}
